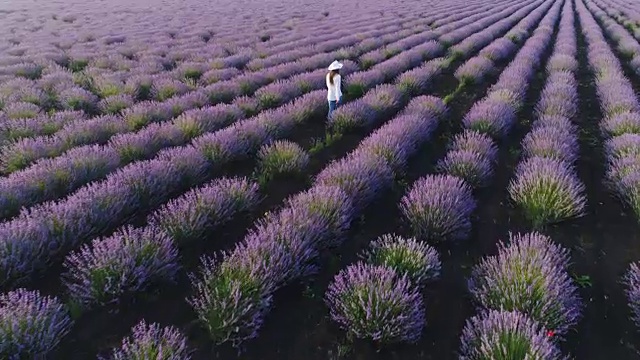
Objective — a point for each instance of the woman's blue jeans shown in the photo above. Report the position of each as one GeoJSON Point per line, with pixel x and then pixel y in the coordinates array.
{"type": "Point", "coordinates": [333, 104]}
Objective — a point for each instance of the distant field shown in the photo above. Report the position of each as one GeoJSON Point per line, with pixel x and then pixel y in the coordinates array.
{"type": "Point", "coordinates": [171, 186]}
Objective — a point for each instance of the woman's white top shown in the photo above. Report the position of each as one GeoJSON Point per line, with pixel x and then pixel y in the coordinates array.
{"type": "Point", "coordinates": [334, 92]}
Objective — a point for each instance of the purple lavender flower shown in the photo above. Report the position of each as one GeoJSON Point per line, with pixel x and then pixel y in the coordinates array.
{"type": "Point", "coordinates": [115, 104]}
{"type": "Point", "coordinates": [78, 99]}
{"type": "Point", "coordinates": [31, 325]}
{"type": "Point", "coordinates": [547, 191]}
{"type": "Point", "coordinates": [472, 167]}
{"type": "Point", "coordinates": [416, 81]}
{"type": "Point", "coordinates": [505, 95]}
{"type": "Point", "coordinates": [491, 116]}
{"type": "Point", "coordinates": [375, 303]}
{"type": "Point", "coordinates": [418, 261]}
{"type": "Point", "coordinates": [622, 123]}
{"type": "Point", "coordinates": [383, 99]}
{"type": "Point", "coordinates": [164, 89]}
{"type": "Point", "coordinates": [562, 62]}
{"type": "Point", "coordinates": [426, 105]}
{"type": "Point", "coordinates": [129, 261]}
{"type": "Point", "coordinates": [439, 207]}
{"type": "Point", "coordinates": [190, 70]}
{"type": "Point", "coordinates": [622, 146]}
{"type": "Point", "coordinates": [233, 294]}
{"type": "Point", "coordinates": [474, 70]}
{"type": "Point", "coordinates": [21, 110]}
{"type": "Point", "coordinates": [397, 140]}
{"type": "Point", "coordinates": [360, 176]}
{"type": "Point", "coordinates": [499, 49]}
{"type": "Point", "coordinates": [351, 116]}
{"type": "Point", "coordinates": [558, 99]}
{"type": "Point", "coordinates": [632, 283]}
{"type": "Point", "coordinates": [530, 276]}
{"type": "Point", "coordinates": [551, 142]}
{"type": "Point", "coordinates": [108, 86]}
{"type": "Point", "coordinates": [506, 335]}
{"type": "Point", "coordinates": [328, 205]}
{"type": "Point", "coordinates": [476, 142]}
{"type": "Point", "coordinates": [150, 341]}
{"type": "Point", "coordinates": [282, 158]}
{"type": "Point", "coordinates": [554, 121]}
{"type": "Point", "coordinates": [250, 106]}
{"type": "Point", "coordinates": [216, 75]}
{"type": "Point", "coordinates": [616, 97]}
{"type": "Point", "coordinates": [357, 83]}
{"type": "Point", "coordinates": [223, 91]}
{"type": "Point", "coordinates": [627, 183]}
{"type": "Point", "coordinates": [191, 216]}
{"type": "Point", "coordinates": [277, 93]}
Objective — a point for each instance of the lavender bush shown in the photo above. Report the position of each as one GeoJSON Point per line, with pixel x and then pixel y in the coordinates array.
{"type": "Point", "coordinates": [282, 158]}
{"type": "Point", "coordinates": [506, 335]}
{"type": "Point", "coordinates": [547, 191]}
{"type": "Point", "coordinates": [472, 167]}
{"type": "Point", "coordinates": [31, 325]}
{"type": "Point", "coordinates": [631, 281]}
{"type": "Point", "coordinates": [375, 303]}
{"type": "Point", "coordinates": [475, 142]}
{"type": "Point", "coordinates": [529, 275]}
{"type": "Point", "coordinates": [191, 216]}
{"type": "Point", "coordinates": [128, 262]}
{"type": "Point", "coordinates": [439, 207]}
{"type": "Point", "coordinates": [152, 342]}
{"type": "Point", "coordinates": [418, 261]}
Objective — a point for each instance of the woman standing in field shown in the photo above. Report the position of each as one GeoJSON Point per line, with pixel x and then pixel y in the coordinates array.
{"type": "Point", "coordinates": [334, 93]}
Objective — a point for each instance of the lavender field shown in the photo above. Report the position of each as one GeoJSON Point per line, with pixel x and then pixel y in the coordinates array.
{"type": "Point", "coordinates": [172, 187]}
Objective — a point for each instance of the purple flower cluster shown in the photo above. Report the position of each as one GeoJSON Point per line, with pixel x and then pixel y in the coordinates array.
{"type": "Point", "coordinates": [492, 116]}
{"type": "Point", "coordinates": [369, 111]}
{"type": "Point", "coordinates": [474, 70]}
{"type": "Point", "coordinates": [439, 208]}
{"type": "Point", "coordinates": [552, 141]}
{"type": "Point", "coordinates": [401, 137]}
{"type": "Point", "coordinates": [417, 260]}
{"type": "Point", "coordinates": [529, 275]}
{"type": "Point", "coordinates": [499, 49]}
{"type": "Point", "coordinates": [191, 216]}
{"type": "Point", "coordinates": [418, 80]}
{"type": "Point", "coordinates": [31, 325]}
{"type": "Point", "coordinates": [506, 335]}
{"type": "Point", "coordinates": [234, 293]}
{"type": "Point", "coordinates": [547, 191]}
{"type": "Point", "coordinates": [373, 302]}
{"type": "Point", "coordinates": [150, 341]}
{"type": "Point", "coordinates": [632, 283]}
{"type": "Point", "coordinates": [128, 262]}
{"type": "Point", "coordinates": [282, 158]}
{"type": "Point", "coordinates": [473, 167]}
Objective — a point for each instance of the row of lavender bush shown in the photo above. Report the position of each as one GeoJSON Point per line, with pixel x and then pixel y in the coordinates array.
{"type": "Point", "coordinates": [546, 186]}
{"type": "Point", "coordinates": [621, 115]}
{"type": "Point", "coordinates": [550, 304]}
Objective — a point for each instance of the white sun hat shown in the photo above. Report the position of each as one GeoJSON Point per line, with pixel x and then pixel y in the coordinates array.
{"type": "Point", "coordinates": [336, 65]}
